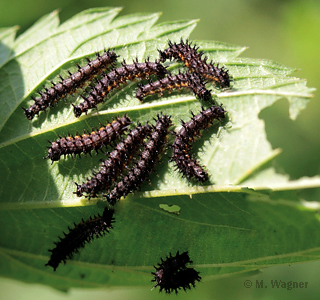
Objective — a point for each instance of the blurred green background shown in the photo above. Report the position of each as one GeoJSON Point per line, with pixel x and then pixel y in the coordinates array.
{"type": "Point", "coordinates": [286, 31]}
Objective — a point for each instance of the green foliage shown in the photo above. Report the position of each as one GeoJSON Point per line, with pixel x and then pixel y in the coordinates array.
{"type": "Point", "coordinates": [249, 217]}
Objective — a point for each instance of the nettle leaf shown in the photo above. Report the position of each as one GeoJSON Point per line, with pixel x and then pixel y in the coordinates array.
{"type": "Point", "coordinates": [247, 217]}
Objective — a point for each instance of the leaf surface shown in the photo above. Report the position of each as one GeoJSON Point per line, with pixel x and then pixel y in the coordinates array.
{"type": "Point", "coordinates": [247, 217]}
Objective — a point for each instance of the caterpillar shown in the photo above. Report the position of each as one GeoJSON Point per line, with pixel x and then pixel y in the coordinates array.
{"type": "Point", "coordinates": [195, 63]}
{"type": "Point", "coordinates": [70, 84]}
{"type": "Point", "coordinates": [114, 165]}
{"type": "Point", "coordinates": [182, 80]}
{"type": "Point", "coordinates": [115, 79]}
{"type": "Point", "coordinates": [82, 233]}
{"type": "Point", "coordinates": [187, 165]}
{"type": "Point", "coordinates": [153, 149]}
{"type": "Point", "coordinates": [172, 274]}
{"type": "Point", "coordinates": [73, 145]}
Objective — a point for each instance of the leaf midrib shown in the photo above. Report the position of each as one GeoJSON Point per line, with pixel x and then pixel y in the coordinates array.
{"type": "Point", "coordinates": [222, 95]}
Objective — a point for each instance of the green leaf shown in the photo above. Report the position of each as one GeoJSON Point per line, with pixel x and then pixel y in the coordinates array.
{"type": "Point", "coordinates": [248, 216]}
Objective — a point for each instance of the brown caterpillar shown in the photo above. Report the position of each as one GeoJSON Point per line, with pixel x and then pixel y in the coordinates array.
{"type": "Point", "coordinates": [115, 79]}
{"type": "Point", "coordinates": [73, 145]}
{"type": "Point", "coordinates": [181, 80]}
{"type": "Point", "coordinates": [82, 233]}
{"type": "Point", "coordinates": [181, 147]}
{"type": "Point", "coordinates": [114, 165]}
{"type": "Point", "coordinates": [195, 63]}
{"type": "Point", "coordinates": [172, 274]}
{"type": "Point", "coordinates": [151, 154]}
{"type": "Point", "coordinates": [71, 84]}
